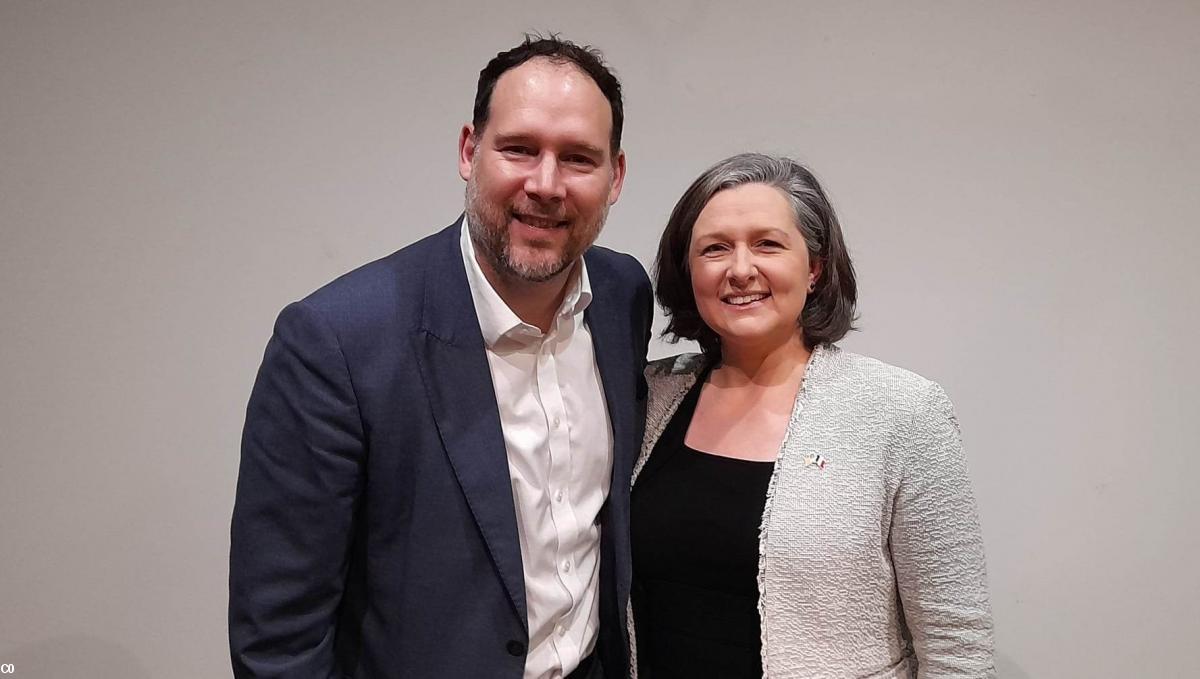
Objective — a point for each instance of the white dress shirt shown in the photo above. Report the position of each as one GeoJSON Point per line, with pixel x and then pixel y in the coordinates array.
{"type": "Point", "coordinates": [559, 442]}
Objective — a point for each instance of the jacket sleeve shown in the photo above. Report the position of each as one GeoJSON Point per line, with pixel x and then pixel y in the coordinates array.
{"type": "Point", "coordinates": [937, 549]}
{"type": "Point", "coordinates": [300, 478]}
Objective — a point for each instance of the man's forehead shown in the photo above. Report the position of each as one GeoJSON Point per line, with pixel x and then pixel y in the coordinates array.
{"type": "Point", "coordinates": [541, 81]}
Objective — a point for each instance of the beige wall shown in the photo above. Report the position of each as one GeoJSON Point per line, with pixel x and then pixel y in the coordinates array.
{"type": "Point", "coordinates": [1019, 183]}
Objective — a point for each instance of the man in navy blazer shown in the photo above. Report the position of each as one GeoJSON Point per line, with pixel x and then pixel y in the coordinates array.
{"type": "Point", "coordinates": [425, 491]}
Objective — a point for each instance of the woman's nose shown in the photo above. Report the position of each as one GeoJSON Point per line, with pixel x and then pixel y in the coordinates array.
{"type": "Point", "coordinates": [742, 266]}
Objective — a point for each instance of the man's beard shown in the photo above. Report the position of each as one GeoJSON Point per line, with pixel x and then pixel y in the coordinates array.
{"type": "Point", "coordinates": [489, 222]}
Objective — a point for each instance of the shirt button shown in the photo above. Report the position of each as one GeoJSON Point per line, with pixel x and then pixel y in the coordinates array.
{"type": "Point", "coordinates": [558, 496]}
{"type": "Point", "coordinates": [562, 631]}
{"type": "Point", "coordinates": [566, 566]}
{"type": "Point", "coordinates": [557, 422]}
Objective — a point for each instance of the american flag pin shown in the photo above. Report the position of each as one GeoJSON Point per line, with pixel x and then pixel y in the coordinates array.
{"type": "Point", "coordinates": [816, 460]}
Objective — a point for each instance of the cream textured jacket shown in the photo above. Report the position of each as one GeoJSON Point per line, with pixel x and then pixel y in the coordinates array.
{"type": "Point", "coordinates": [871, 561]}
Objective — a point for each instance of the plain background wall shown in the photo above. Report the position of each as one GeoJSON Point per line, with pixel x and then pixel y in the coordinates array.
{"type": "Point", "coordinates": [1019, 183]}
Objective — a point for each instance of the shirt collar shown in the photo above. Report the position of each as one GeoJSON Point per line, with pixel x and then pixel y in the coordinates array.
{"type": "Point", "coordinates": [496, 319]}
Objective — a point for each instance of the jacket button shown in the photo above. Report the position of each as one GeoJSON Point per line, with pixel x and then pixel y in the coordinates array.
{"type": "Point", "coordinates": [516, 648]}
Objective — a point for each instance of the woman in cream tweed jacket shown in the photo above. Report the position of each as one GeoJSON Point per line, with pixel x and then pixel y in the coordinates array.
{"type": "Point", "coordinates": [870, 558]}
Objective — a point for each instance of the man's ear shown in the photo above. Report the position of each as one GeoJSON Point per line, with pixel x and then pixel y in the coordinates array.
{"type": "Point", "coordinates": [618, 177]}
{"type": "Point", "coordinates": [466, 151]}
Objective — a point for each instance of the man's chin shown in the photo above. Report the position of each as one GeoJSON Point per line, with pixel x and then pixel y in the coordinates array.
{"type": "Point", "coordinates": [536, 269]}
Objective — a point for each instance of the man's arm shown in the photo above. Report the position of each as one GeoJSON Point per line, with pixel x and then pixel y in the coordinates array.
{"type": "Point", "coordinates": [300, 477]}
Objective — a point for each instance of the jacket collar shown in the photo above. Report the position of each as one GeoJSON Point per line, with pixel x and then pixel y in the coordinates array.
{"type": "Point", "coordinates": [496, 319]}
{"type": "Point", "coordinates": [670, 379]}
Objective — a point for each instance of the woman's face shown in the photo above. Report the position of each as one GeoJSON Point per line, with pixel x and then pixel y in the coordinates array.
{"type": "Point", "coordinates": [750, 266]}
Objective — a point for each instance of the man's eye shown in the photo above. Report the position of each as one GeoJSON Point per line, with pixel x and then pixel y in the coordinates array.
{"type": "Point", "coordinates": [770, 244]}
{"type": "Point", "coordinates": [519, 150]}
{"type": "Point", "coordinates": [579, 160]}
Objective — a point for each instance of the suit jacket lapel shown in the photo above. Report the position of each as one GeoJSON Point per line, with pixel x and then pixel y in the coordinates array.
{"type": "Point", "coordinates": [454, 368]}
{"type": "Point", "coordinates": [613, 344]}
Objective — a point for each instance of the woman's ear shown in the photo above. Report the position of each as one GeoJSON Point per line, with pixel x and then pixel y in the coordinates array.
{"type": "Point", "coordinates": [814, 274]}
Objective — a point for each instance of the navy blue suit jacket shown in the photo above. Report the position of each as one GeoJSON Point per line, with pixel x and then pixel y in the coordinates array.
{"type": "Point", "coordinates": [374, 533]}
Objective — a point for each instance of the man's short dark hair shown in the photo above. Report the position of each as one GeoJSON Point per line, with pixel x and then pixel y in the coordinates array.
{"type": "Point", "coordinates": [586, 58]}
{"type": "Point", "coordinates": [829, 310]}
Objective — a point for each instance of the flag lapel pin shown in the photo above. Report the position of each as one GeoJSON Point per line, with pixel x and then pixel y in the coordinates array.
{"type": "Point", "coordinates": [815, 460]}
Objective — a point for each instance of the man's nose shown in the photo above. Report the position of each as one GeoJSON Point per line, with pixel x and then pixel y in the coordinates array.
{"type": "Point", "coordinates": [545, 181]}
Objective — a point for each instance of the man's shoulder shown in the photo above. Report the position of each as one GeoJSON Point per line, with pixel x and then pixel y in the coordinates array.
{"type": "Point", "coordinates": [390, 284]}
{"type": "Point", "coordinates": [602, 261]}
{"type": "Point", "coordinates": [621, 288]}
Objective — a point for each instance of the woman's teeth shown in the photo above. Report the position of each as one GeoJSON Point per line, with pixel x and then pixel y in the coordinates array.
{"type": "Point", "coordinates": [745, 299]}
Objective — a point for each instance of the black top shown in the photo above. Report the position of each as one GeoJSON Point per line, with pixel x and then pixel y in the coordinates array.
{"type": "Point", "coordinates": [694, 521]}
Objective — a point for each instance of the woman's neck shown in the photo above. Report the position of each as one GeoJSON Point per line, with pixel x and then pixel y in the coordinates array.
{"type": "Point", "coordinates": [762, 364]}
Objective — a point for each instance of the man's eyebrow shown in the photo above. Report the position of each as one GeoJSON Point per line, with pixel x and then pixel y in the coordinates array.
{"type": "Point", "coordinates": [502, 139]}
{"type": "Point", "coordinates": [586, 148]}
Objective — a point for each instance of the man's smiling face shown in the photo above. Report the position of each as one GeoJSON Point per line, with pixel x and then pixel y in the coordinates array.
{"type": "Point", "coordinates": [541, 174]}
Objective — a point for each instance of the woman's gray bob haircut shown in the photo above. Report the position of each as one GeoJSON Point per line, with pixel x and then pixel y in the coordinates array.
{"type": "Point", "coordinates": [829, 311]}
